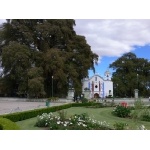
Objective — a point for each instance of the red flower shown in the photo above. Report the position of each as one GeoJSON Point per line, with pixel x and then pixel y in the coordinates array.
{"type": "Point", "coordinates": [124, 104]}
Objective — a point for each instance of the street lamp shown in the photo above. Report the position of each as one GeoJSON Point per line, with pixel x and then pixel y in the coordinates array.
{"type": "Point", "coordinates": [137, 81]}
{"type": "Point", "coordinates": [117, 90]}
{"type": "Point", "coordinates": [52, 86]}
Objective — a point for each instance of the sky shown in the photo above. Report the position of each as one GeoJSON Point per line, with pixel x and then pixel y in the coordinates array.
{"type": "Point", "coordinates": [111, 38]}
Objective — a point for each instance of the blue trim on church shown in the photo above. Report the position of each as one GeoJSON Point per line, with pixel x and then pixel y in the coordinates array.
{"type": "Point", "coordinates": [103, 90]}
{"type": "Point", "coordinates": [89, 86]}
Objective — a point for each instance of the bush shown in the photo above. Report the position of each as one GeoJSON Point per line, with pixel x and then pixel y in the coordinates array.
{"type": "Point", "coordinates": [121, 111]}
{"type": "Point", "coordinates": [75, 122]}
{"type": "Point", "coordinates": [84, 100]}
{"type": "Point", "coordinates": [1, 127]}
{"type": "Point", "coordinates": [6, 124]}
{"type": "Point", "coordinates": [138, 104]}
{"type": "Point", "coordinates": [145, 115]}
{"type": "Point", "coordinates": [120, 126]}
{"type": "Point", "coordinates": [18, 116]}
{"type": "Point", "coordinates": [53, 99]}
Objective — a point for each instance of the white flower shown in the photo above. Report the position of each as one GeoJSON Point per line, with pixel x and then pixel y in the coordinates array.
{"type": "Point", "coordinates": [84, 125]}
{"type": "Point", "coordinates": [58, 122]}
{"type": "Point", "coordinates": [142, 127]}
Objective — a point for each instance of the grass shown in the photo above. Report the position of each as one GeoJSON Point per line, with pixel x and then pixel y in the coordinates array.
{"type": "Point", "coordinates": [102, 114]}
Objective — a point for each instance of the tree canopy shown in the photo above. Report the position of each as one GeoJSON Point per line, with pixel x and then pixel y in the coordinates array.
{"type": "Point", "coordinates": [32, 51]}
{"type": "Point", "coordinates": [131, 73]}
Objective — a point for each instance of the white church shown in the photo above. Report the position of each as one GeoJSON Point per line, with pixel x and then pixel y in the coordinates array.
{"type": "Point", "coordinates": [95, 87]}
{"type": "Point", "coordinates": [98, 87]}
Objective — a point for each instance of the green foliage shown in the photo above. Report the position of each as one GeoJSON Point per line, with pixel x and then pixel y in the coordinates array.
{"type": "Point", "coordinates": [53, 99]}
{"type": "Point", "coordinates": [125, 76]}
{"type": "Point", "coordinates": [139, 111]}
{"type": "Point", "coordinates": [145, 115]}
{"type": "Point", "coordinates": [121, 111]}
{"type": "Point", "coordinates": [63, 115]}
{"type": "Point", "coordinates": [134, 115]}
{"type": "Point", "coordinates": [89, 104]}
{"type": "Point", "coordinates": [33, 113]}
{"type": "Point", "coordinates": [18, 116]}
{"type": "Point", "coordinates": [138, 104]}
{"type": "Point", "coordinates": [1, 127]}
{"type": "Point", "coordinates": [6, 124]}
{"type": "Point", "coordinates": [84, 100]}
{"type": "Point", "coordinates": [15, 61]}
{"type": "Point", "coordinates": [120, 126]}
{"type": "Point", "coordinates": [50, 45]}
{"type": "Point", "coordinates": [75, 122]}
{"type": "Point", "coordinates": [36, 82]}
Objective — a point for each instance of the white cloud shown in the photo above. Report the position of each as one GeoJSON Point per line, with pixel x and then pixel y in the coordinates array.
{"type": "Point", "coordinates": [114, 37]}
{"type": "Point", "coordinates": [2, 21]}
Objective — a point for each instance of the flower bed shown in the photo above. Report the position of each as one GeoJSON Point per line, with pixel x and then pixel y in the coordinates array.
{"type": "Point", "coordinates": [75, 122]}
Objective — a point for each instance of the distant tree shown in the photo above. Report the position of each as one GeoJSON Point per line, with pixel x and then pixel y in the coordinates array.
{"type": "Point", "coordinates": [131, 73]}
{"type": "Point", "coordinates": [49, 44]}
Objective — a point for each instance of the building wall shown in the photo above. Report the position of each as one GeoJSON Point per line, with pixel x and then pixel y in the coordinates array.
{"type": "Point", "coordinates": [98, 86]}
{"type": "Point", "coordinates": [108, 88]}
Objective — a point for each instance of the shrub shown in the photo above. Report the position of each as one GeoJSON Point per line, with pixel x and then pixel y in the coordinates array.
{"type": "Point", "coordinates": [120, 126]}
{"type": "Point", "coordinates": [134, 115]}
{"type": "Point", "coordinates": [75, 122]}
{"type": "Point", "coordinates": [140, 112]}
{"type": "Point", "coordinates": [18, 116]}
{"type": "Point", "coordinates": [84, 104]}
{"type": "Point", "coordinates": [109, 104]}
{"type": "Point", "coordinates": [138, 104]}
{"type": "Point", "coordinates": [145, 115]}
{"type": "Point", "coordinates": [1, 127]}
{"type": "Point", "coordinates": [6, 124]}
{"type": "Point", "coordinates": [62, 114]}
{"type": "Point", "coordinates": [53, 99]}
{"type": "Point", "coordinates": [121, 111]}
{"type": "Point", "coordinates": [141, 127]}
{"type": "Point", "coordinates": [84, 100]}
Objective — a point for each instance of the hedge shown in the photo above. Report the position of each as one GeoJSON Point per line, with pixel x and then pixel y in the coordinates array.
{"type": "Point", "coordinates": [6, 124]}
{"type": "Point", "coordinates": [19, 116]}
{"type": "Point", "coordinates": [87, 104]}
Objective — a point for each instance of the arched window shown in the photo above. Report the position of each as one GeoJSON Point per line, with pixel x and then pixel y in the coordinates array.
{"type": "Point", "coordinates": [95, 78]}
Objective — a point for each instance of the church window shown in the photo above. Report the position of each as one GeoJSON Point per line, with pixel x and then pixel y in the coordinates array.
{"type": "Point", "coordinates": [95, 78]}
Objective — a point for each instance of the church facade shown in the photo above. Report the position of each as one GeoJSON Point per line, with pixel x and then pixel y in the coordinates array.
{"type": "Point", "coordinates": [97, 87]}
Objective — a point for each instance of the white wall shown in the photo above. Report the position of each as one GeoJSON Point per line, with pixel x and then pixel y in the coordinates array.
{"type": "Point", "coordinates": [108, 85]}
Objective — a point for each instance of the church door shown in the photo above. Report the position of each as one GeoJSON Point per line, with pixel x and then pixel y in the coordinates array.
{"type": "Point", "coordinates": [96, 95]}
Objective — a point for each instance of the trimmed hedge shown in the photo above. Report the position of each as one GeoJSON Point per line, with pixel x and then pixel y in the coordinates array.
{"type": "Point", "coordinates": [19, 116]}
{"type": "Point", "coordinates": [87, 104]}
{"type": "Point", "coordinates": [6, 124]}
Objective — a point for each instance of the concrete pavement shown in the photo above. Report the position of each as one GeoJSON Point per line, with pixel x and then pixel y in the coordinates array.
{"type": "Point", "coordinates": [11, 106]}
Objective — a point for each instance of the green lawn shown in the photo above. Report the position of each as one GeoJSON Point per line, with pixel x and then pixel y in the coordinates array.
{"type": "Point", "coordinates": [102, 114]}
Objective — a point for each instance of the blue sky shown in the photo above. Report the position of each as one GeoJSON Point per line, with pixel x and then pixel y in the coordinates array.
{"type": "Point", "coordinates": [111, 38]}
{"type": "Point", "coordinates": [141, 52]}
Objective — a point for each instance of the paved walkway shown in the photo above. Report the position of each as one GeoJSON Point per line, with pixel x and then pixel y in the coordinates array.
{"type": "Point", "coordinates": [17, 106]}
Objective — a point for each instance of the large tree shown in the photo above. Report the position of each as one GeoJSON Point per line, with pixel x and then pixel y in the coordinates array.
{"type": "Point", "coordinates": [131, 73]}
{"type": "Point", "coordinates": [48, 47]}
